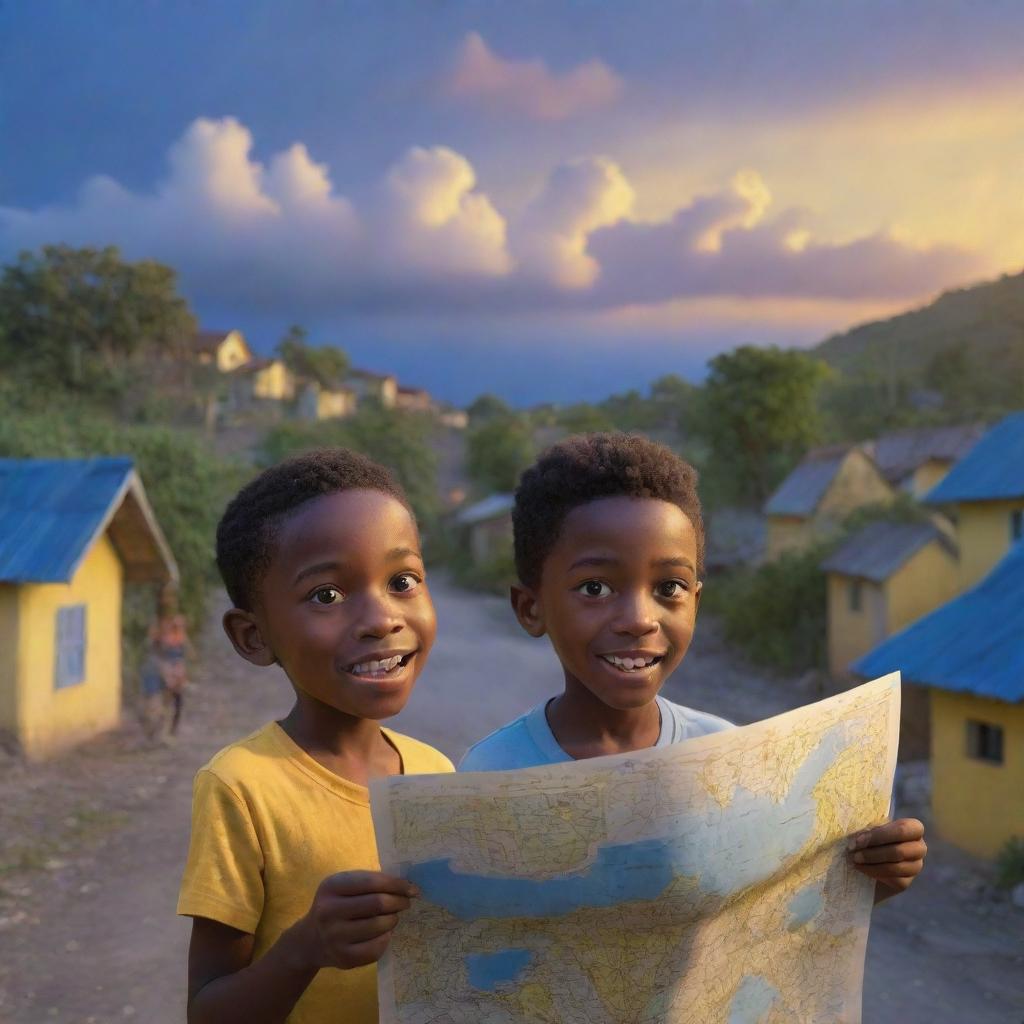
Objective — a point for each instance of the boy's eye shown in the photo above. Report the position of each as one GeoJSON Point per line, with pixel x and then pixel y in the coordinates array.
{"type": "Point", "coordinates": [328, 595]}
{"type": "Point", "coordinates": [405, 582]}
{"type": "Point", "coordinates": [671, 588]}
{"type": "Point", "coordinates": [594, 588]}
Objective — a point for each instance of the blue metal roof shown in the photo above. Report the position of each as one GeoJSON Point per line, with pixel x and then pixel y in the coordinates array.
{"type": "Point", "coordinates": [800, 492]}
{"type": "Point", "coordinates": [491, 507]}
{"type": "Point", "coordinates": [879, 549]}
{"type": "Point", "coordinates": [51, 511]}
{"type": "Point", "coordinates": [973, 644]}
{"type": "Point", "coordinates": [991, 470]}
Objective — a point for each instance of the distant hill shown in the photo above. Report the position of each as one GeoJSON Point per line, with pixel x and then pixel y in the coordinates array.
{"type": "Point", "coordinates": [960, 357]}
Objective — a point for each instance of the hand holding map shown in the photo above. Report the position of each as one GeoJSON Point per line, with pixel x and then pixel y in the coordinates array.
{"type": "Point", "coordinates": [705, 883]}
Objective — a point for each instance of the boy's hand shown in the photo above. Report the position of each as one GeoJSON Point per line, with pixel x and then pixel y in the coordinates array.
{"type": "Point", "coordinates": [892, 854]}
{"type": "Point", "coordinates": [350, 921]}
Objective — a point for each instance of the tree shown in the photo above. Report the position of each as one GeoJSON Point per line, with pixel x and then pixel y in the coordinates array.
{"type": "Point", "coordinates": [583, 418]}
{"type": "Point", "coordinates": [80, 317]}
{"type": "Point", "coordinates": [678, 402]}
{"type": "Point", "coordinates": [498, 451]}
{"type": "Point", "coordinates": [326, 364]}
{"type": "Point", "coordinates": [760, 416]}
{"type": "Point", "coordinates": [487, 407]}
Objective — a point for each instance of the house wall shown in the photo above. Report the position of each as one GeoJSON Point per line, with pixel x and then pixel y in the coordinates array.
{"type": "Point", "coordinates": [388, 392]}
{"type": "Point", "coordinates": [48, 719]}
{"type": "Point", "coordinates": [924, 582]}
{"type": "Point", "coordinates": [983, 533]}
{"type": "Point", "coordinates": [929, 475]}
{"type": "Point", "coordinates": [8, 659]}
{"type": "Point", "coordinates": [335, 404]}
{"type": "Point", "coordinates": [491, 538]}
{"type": "Point", "coordinates": [857, 483]}
{"type": "Point", "coordinates": [850, 633]}
{"type": "Point", "coordinates": [274, 381]}
{"type": "Point", "coordinates": [976, 805]}
{"type": "Point", "coordinates": [787, 533]}
{"type": "Point", "coordinates": [232, 353]}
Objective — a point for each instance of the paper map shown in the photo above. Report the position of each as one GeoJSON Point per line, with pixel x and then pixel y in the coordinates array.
{"type": "Point", "coordinates": [704, 883]}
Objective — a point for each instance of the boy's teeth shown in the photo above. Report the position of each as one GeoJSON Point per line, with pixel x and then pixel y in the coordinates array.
{"type": "Point", "coordinates": [629, 664]}
{"type": "Point", "coordinates": [369, 668]}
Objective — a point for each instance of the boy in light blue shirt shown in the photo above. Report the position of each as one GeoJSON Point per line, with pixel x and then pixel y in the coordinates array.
{"type": "Point", "coordinates": [609, 547]}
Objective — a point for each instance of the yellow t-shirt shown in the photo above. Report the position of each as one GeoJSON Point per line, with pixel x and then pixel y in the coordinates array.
{"type": "Point", "coordinates": [269, 823]}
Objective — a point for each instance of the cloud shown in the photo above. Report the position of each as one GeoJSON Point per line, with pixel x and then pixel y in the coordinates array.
{"type": "Point", "coordinates": [279, 239]}
{"type": "Point", "coordinates": [527, 87]}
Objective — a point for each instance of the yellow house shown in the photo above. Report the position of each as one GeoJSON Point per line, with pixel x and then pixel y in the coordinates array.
{"type": "Point", "coordinates": [263, 380]}
{"type": "Point", "coordinates": [72, 532]}
{"type": "Point", "coordinates": [819, 494]}
{"type": "Point", "coordinates": [317, 402]}
{"type": "Point", "coordinates": [883, 578]}
{"type": "Point", "coordinates": [915, 461]}
{"type": "Point", "coordinates": [413, 400]}
{"type": "Point", "coordinates": [227, 350]}
{"type": "Point", "coordinates": [984, 495]}
{"type": "Point", "coordinates": [970, 653]}
{"type": "Point", "coordinates": [380, 387]}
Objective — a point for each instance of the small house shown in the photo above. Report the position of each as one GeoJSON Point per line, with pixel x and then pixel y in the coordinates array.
{"type": "Point", "coordinates": [970, 654]}
{"type": "Point", "coordinates": [317, 402]}
{"type": "Point", "coordinates": [984, 495]}
{"type": "Point", "coordinates": [454, 419]}
{"type": "Point", "coordinates": [381, 388]}
{"type": "Point", "coordinates": [487, 525]}
{"type": "Point", "coordinates": [72, 533]}
{"type": "Point", "coordinates": [819, 494]}
{"type": "Point", "coordinates": [413, 400]}
{"type": "Point", "coordinates": [883, 578]}
{"type": "Point", "coordinates": [262, 380]}
{"type": "Point", "coordinates": [227, 350]}
{"type": "Point", "coordinates": [915, 461]}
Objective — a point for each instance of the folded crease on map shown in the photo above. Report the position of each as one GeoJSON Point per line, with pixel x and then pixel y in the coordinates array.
{"type": "Point", "coordinates": [705, 883]}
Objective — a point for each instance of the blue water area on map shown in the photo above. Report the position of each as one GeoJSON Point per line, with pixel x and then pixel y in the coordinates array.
{"type": "Point", "coordinates": [752, 1001]}
{"type": "Point", "coordinates": [489, 970]}
{"type": "Point", "coordinates": [805, 905]}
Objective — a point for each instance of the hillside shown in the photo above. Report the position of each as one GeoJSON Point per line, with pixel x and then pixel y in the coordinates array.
{"type": "Point", "coordinates": [965, 351]}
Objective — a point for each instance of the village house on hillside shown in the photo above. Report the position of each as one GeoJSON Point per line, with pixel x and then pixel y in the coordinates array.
{"type": "Point", "coordinates": [883, 578]}
{"type": "Point", "coordinates": [819, 494]}
{"type": "Point", "coordinates": [72, 532]}
{"type": "Point", "coordinates": [915, 461]}
{"type": "Point", "coordinates": [414, 400]}
{"type": "Point", "coordinates": [317, 402]}
{"type": "Point", "coordinates": [487, 527]}
{"type": "Point", "coordinates": [227, 350]}
{"type": "Point", "coordinates": [970, 651]}
{"type": "Point", "coordinates": [262, 380]}
{"type": "Point", "coordinates": [379, 387]}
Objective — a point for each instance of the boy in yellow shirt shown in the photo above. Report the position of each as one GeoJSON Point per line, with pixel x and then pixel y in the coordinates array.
{"type": "Point", "coordinates": [321, 559]}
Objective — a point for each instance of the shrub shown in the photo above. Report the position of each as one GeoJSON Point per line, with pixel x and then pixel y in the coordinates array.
{"type": "Point", "coordinates": [1010, 863]}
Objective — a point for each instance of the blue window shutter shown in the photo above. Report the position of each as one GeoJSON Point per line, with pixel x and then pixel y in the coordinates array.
{"type": "Point", "coordinates": [69, 667]}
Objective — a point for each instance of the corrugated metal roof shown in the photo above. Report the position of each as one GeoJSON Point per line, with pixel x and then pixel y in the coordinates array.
{"type": "Point", "coordinates": [899, 454]}
{"type": "Point", "coordinates": [993, 469]}
{"type": "Point", "coordinates": [51, 511]}
{"type": "Point", "coordinates": [973, 644]}
{"type": "Point", "coordinates": [877, 551]}
{"type": "Point", "coordinates": [490, 507]}
{"type": "Point", "coordinates": [800, 492]}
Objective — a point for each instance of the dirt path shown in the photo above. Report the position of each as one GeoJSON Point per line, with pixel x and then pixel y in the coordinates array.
{"type": "Point", "coordinates": [91, 845]}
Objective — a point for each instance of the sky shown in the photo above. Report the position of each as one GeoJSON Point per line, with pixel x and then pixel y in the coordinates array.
{"type": "Point", "coordinates": [548, 200]}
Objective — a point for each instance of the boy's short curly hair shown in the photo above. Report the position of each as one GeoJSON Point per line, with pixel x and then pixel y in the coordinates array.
{"type": "Point", "coordinates": [252, 519]}
{"type": "Point", "coordinates": [587, 467]}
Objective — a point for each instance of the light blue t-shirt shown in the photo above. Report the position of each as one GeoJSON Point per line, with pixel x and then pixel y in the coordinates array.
{"type": "Point", "coordinates": [529, 741]}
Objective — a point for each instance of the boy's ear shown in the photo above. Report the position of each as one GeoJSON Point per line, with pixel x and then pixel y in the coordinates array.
{"type": "Point", "coordinates": [527, 609]}
{"type": "Point", "coordinates": [244, 633]}
{"type": "Point", "coordinates": [697, 591]}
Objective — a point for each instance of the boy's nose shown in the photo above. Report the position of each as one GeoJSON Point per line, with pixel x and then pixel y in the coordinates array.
{"type": "Point", "coordinates": [636, 616]}
{"type": "Point", "coordinates": [377, 619]}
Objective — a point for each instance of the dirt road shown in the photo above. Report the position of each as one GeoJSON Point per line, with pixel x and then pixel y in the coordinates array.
{"type": "Point", "coordinates": [91, 845]}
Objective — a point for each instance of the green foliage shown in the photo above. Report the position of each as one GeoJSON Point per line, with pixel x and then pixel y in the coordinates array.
{"type": "Point", "coordinates": [583, 418]}
{"type": "Point", "coordinates": [1010, 863]}
{"type": "Point", "coordinates": [83, 318]}
{"type": "Point", "coordinates": [678, 403]}
{"type": "Point", "coordinates": [494, 576]}
{"type": "Point", "coordinates": [487, 407]}
{"type": "Point", "coordinates": [760, 416]}
{"type": "Point", "coordinates": [776, 613]}
{"type": "Point", "coordinates": [398, 440]}
{"type": "Point", "coordinates": [187, 486]}
{"type": "Point", "coordinates": [326, 364]}
{"type": "Point", "coordinates": [498, 451]}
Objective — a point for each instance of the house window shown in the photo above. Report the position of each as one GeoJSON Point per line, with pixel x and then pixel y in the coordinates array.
{"type": "Point", "coordinates": [985, 741]}
{"type": "Point", "coordinates": [854, 595]}
{"type": "Point", "coordinates": [69, 662]}
{"type": "Point", "coordinates": [1017, 525]}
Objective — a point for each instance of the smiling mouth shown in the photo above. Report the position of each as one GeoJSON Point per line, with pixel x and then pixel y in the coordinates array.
{"type": "Point", "coordinates": [380, 668]}
{"type": "Point", "coordinates": [630, 665]}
